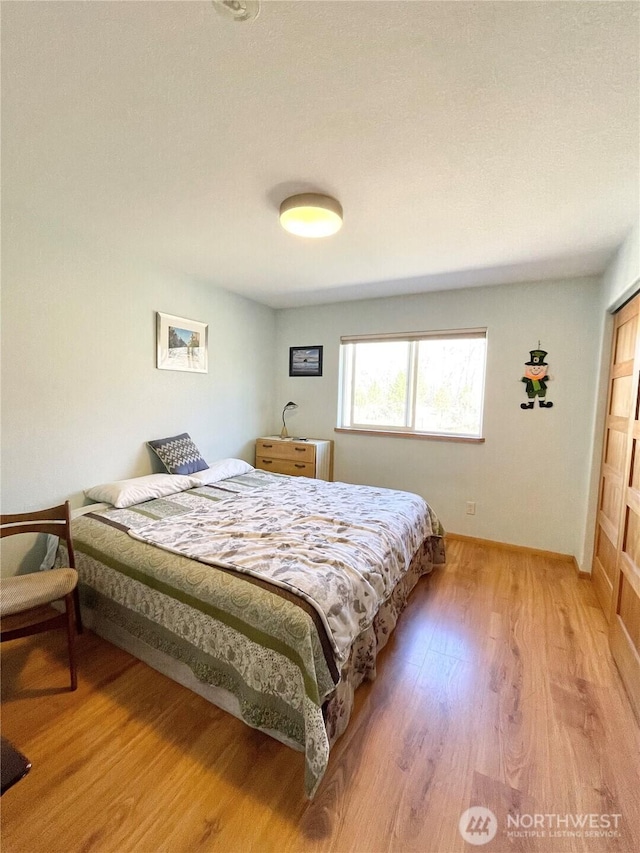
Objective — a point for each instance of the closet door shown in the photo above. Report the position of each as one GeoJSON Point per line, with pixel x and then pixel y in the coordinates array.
{"type": "Point", "coordinates": [624, 628]}
{"type": "Point", "coordinates": [616, 568]}
{"type": "Point", "coordinates": [620, 408]}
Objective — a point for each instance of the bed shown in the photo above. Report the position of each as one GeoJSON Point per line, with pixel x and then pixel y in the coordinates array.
{"type": "Point", "coordinates": [269, 595]}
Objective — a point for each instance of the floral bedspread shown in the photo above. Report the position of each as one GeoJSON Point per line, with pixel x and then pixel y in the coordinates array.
{"type": "Point", "coordinates": [258, 636]}
{"type": "Point", "coordinates": [342, 547]}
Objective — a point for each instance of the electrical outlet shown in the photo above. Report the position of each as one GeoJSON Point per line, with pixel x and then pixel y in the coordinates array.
{"type": "Point", "coordinates": [471, 507]}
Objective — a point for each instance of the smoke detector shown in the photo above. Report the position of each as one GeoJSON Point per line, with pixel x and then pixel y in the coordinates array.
{"type": "Point", "coordinates": [237, 10]}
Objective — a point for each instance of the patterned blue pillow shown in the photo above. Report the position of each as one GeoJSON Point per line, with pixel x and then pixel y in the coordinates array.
{"type": "Point", "coordinates": [178, 454]}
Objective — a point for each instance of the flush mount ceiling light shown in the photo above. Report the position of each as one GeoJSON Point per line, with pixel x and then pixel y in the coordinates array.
{"type": "Point", "coordinates": [311, 215]}
{"type": "Point", "coordinates": [237, 10]}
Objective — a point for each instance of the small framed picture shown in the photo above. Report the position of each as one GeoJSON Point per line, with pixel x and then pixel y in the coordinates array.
{"type": "Point", "coordinates": [305, 361]}
{"type": "Point", "coordinates": [182, 344]}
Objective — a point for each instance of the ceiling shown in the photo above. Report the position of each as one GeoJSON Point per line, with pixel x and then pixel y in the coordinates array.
{"type": "Point", "coordinates": [468, 142]}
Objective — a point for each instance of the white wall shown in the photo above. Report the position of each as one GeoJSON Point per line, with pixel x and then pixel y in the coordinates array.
{"type": "Point", "coordinates": [622, 277]}
{"type": "Point", "coordinates": [530, 478]}
{"type": "Point", "coordinates": [80, 390]}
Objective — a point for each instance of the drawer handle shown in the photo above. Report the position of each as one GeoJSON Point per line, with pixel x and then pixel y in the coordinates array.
{"type": "Point", "coordinates": [300, 449]}
{"type": "Point", "coordinates": [267, 461]}
{"type": "Point", "coordinates": [298, 465]}
{"type": "Point", "coordinates": [267, 445]}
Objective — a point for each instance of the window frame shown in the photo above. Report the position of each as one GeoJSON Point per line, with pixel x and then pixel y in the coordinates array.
{"type": "Point", "coordinates": [346, 396]}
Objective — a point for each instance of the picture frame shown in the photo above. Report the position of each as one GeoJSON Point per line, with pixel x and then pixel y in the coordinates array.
{"type": "Point", "coordinates": [305, 361]}
{"type": "Point", "coordinates": [181, 344]}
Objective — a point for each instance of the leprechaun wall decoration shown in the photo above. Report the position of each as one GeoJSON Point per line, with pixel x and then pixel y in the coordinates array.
{"type": "Point", "coordinates": [535, 377]}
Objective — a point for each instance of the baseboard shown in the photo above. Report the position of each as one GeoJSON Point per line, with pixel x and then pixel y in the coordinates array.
{"type": "Point", "coordinates": [522, 549]}
{"type": "Point", "coordinates": [584, 576]}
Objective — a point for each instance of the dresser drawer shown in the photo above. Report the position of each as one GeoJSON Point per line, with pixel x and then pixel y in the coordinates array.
{"type": "Point", "coordinates": [309, 458]}
{"type": "Point", "coordinates": [297, 451]}
{"type": "Point", "coordinates": [286, 466]}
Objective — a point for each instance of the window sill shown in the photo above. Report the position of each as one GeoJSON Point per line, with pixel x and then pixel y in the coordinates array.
{"type": "Point", "coordinates": [424, 436]}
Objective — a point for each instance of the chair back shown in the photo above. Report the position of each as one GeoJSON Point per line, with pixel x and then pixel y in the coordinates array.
{"type": "Point", "coordinates": [56, 520]}
{"type": "Point", "coordinates": [22, 596]}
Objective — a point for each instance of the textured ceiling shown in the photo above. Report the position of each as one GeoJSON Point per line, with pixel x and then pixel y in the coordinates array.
{"type": "Point", "coordinates": [468, 143]}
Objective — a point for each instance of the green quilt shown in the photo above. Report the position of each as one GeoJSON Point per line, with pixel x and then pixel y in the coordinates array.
{"type": "Point", "coordinates": [270, 647]}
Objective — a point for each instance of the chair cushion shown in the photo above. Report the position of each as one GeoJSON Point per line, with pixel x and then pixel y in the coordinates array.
{"type": "Point", "coordinates": [25, 591]}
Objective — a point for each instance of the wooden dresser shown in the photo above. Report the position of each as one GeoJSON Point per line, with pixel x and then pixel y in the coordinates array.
{"type": "Point", "coordinates": [312, 457]}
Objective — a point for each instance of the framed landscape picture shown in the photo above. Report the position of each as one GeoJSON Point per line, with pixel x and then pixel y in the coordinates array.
{"type": "Point", "coordinates": [305, 361]}
{"type": "Point", "coordinates": [182, 344]}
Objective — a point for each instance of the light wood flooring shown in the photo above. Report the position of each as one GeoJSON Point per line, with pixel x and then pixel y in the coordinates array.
{"type": "Point", "coordinates": [497, 689]}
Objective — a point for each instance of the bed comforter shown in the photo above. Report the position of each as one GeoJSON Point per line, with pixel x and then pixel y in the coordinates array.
{"type": "Point", "coordinates": [280, 590]}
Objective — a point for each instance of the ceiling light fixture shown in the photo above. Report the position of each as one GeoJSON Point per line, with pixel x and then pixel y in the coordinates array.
{"type": "Point", "coordinates": [311, 215]}
{"type": "Point", "coordinates": [237, 10]}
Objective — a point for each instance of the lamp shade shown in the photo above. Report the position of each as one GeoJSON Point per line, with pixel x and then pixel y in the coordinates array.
{"type": "Point", "coordinates": [311, 215]}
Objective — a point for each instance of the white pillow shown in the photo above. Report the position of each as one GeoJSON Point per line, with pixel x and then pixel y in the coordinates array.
{"type": "Point", "coordinates": [123, 493]}
{"type": "Point", "coordinates": [221, 470]}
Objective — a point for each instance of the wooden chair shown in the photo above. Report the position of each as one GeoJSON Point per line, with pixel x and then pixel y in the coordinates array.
{"type": "Point", "coordinates": [25, 599]}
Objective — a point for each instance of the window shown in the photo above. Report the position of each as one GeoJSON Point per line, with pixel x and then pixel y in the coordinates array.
{"type": "Point", "coordinates": [423, 383]}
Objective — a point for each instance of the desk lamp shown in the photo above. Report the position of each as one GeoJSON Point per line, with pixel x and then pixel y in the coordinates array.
{"type": "Point", "coordinates": [288, 407]}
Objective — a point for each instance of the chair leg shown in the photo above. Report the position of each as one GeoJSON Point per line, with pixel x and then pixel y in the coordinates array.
{"type": "Point", "coordinates": [76, 604]}
{"type": "Point", "coordinates": [69, 603]}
